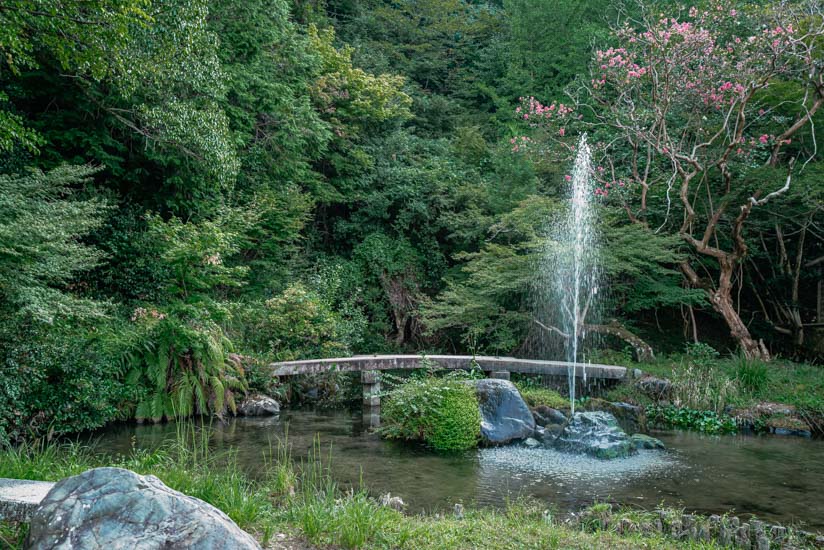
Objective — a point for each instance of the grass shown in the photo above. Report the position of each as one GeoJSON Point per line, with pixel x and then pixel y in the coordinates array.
{"type": "Point", "coordinates": [303, 501]}
{"type": "Point", "coordinates": [535, 395]}
{"type": "Point", "coordinates": [781, 381]}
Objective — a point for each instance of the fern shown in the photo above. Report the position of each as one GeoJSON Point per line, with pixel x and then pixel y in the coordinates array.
{"type": "Point", "coordinates": [183, 365]}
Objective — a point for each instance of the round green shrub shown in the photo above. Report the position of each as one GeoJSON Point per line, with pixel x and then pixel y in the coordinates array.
{"type": "Point", "coordinates": [443, 413]}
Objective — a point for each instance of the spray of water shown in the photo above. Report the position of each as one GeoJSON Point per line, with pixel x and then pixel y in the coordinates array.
{"type": "Point", "coordinates": [568, 277]}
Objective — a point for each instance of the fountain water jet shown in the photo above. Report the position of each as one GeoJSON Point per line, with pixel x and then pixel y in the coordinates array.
{"type": "Point", "coordinates": [569, 275]}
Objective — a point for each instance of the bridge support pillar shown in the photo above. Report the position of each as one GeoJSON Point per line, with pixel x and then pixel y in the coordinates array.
{"type": "Point", "coordinates": [371, 382]}
{"type": "Point", "coordinates": [370, 379]}
{"type": "Point", "coordinates": [371, 417]}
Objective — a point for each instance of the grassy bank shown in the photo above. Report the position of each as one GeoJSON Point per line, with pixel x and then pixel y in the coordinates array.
{"type": "Point", "coordinates": [797, 384]}
{"type": "Point", "coordinates": [711, 390]}
{"type": "Point", "coordinates": [299, 503]}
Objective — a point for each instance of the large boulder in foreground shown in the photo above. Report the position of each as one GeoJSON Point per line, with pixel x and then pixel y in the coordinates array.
{"type": "Point", "coordinates": [505, 416]}
{"type": "Point", "coordinates": [596, 434]}
{"type": "Point", "coordinates": [113, 509]}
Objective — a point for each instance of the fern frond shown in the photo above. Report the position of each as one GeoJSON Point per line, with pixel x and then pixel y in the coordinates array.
{"type": "Point", "coordinates": [217, 394]}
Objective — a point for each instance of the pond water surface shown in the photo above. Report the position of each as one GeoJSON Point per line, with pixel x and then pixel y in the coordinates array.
{"type": "Point", "coordinates": [778, 479]}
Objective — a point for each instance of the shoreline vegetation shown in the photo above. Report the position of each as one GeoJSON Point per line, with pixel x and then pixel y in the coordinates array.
{"type": "Point", "coordinates": [298, 505]}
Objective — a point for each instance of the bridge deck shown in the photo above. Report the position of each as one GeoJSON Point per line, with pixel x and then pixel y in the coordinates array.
{"type": "Point", "coordinates": [393, 362]}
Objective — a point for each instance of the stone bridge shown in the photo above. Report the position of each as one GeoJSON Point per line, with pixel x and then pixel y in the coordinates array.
{"type": "Point", "coordinates": [497, 367]}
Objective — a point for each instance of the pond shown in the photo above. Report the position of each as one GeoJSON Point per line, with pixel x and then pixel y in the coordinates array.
{"type": "Point", "coordinates": [777, 479]}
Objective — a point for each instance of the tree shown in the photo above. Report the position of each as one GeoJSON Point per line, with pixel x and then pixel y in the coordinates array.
{"type": "Point", "coordinates": [490, 302]}
{"type": "Point", "coordinates": [42, 224]}
{"type": "Point", "coordinates": [81, 35]}
{"type": "Point", "coordinates": [678, 105]}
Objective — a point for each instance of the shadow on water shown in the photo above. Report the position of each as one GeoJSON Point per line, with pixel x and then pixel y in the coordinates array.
{"type": "Point", "coordinates": [774, 478]}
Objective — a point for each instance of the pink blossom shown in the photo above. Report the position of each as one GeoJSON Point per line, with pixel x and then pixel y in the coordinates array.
{"type": "Point", "coordinates": [763, 138]}
{"type": "Point", "coordinates": [568, 177]}
{"type": "Point", "coordinates": [561, 132]}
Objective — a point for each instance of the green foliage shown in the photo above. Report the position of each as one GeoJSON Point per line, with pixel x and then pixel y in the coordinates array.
{"type": "Point", "coordinates": [491, 297]}
{"type": "Point", "coordinates": [536, 395]}
{"type": "Point", "coordinates": [41, 251]}
{"type": "Point", "coordinates": [701, 353]}
{"type": "Point", "coordinates": [355, 97]}
{"type": "Point", "coordinates": [691, 419]}
{"type": "Point", "coordinates": [296, 324]}
{"type": "Point", "coordinates": [752, 375]}
{"type": "Point", "coordinates": [196, 254]}
{"type": "Point", "coordinates": [442, 412]}
{"type": "Point", "coordinates": [79, 35]}
{"type": "Point", "coordinates": [180, 364]}
{"type": "Point", "coordinates": [58, 379]}
{"type": "Point", "coordinates": [544, 57]}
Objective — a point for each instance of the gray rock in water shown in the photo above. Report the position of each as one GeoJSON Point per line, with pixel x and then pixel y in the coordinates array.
{"type": "Point", "coordinates": [544, 436]}
{"type": "Point", "coordinates": [530, 442]}
{"type": "Point", "coordinates": [505, 416]}
{"type": "Point", "coordinates": [643, 441]}
{"type": "Point", "coordinates": [631, 418]}
{"type": "Point", "coordinates": [114, 509]}
{"type": "Point", "coordinates": [547, 416]}
{"type": "Point", "coordinates": [597, 434]}
{"type": "Point", "coordinates": [259, 405]}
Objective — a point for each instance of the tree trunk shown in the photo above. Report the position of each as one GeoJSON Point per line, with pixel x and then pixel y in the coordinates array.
{"type": "Point", "coordinates": [643, 351]}
{"type": "Point", "coordinates": [722, 303]}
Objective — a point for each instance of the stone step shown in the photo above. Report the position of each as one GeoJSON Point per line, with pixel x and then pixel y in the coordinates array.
{"type": "Point", "coordinates": [19, 498]}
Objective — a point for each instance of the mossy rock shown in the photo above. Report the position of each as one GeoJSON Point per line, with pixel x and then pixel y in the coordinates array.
{"type": "Point", "coordinates": [631, 418]}
{"type": "Point", "coordinates": [595, 433]}
{"type": "Point", "coordinates": [643, 441]}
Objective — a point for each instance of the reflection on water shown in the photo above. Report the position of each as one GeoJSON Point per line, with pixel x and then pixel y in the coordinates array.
{"type": "Point", "coordinates": [778, 479]}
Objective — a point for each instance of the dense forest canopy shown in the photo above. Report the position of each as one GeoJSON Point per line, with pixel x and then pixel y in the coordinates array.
{"type": "Point", "coordinates": [186, 185]}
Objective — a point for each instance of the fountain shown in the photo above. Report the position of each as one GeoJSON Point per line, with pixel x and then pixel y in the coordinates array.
{"type": "Point", "coordinates": [567, 288]}
{"type": "Point", "coordinates": [566, 302]}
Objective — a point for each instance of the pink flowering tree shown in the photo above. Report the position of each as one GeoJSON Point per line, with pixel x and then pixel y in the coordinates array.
{"type": "Point", "coordinates": [678, 108]}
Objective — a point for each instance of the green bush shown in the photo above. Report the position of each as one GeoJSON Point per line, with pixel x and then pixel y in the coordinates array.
{"type": "Point", "coordinates": [442, 412]}
{"type": "Point", "coordinates": [57, 379]}
{"type": "Point", "coordinates": [295, 324]}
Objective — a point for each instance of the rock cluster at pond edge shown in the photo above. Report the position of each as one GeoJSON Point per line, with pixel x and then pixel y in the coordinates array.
{"type": "Point", "coordinates": [596, 434]}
